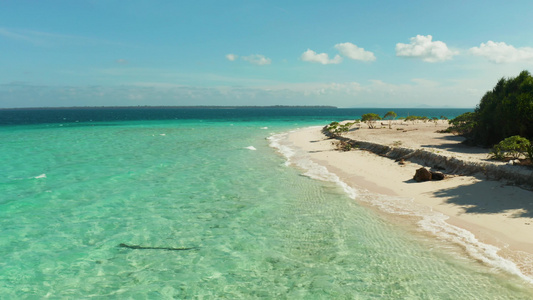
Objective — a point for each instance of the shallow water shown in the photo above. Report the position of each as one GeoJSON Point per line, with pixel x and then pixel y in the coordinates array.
{"type": "Point", "coordinates": [70, 195]}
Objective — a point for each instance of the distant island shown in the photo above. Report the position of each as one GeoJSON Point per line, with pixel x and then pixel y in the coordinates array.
{"type": "Point", "coordinates": [175, 107]}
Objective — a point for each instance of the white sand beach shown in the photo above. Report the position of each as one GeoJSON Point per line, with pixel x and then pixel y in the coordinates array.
{"type": "Point", "coordinates": [496, 213]}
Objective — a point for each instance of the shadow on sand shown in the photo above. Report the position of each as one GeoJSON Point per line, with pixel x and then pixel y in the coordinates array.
{"type": "Point", "coordinates": [455, 145]}
{"type": "Point", "coordinates": [490, 197]}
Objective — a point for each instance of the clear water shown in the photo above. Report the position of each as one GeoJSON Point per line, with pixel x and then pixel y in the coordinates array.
{"type": "Point", "coordinates": [71, 194]}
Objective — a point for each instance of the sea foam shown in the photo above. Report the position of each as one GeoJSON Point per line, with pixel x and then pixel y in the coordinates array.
{"type": "Point", "coordinates": [302, 161]}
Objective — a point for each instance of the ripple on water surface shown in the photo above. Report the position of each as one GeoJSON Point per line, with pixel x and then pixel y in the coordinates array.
{"type": "Point", "coordinates": [257, 228]}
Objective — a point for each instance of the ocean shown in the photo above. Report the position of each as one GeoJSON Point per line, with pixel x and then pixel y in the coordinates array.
{"type": "Point", "coordinates": [153, 203]}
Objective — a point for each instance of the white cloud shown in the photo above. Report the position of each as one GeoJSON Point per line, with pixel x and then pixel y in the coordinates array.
{"type": "Point", "coordinates": [423, 47]}
{"type": "Point", "coordinates": [322, 58]}
{"type": "Point", "coordinates": [502, 53]}
{"type": "Point", "coordinates": [231, 57]}
{"type": "Point", "coordinates": [257, 59]}
{"type": "Point", "coordinates": [425, 82]}
{"type": "Point", "coordinates": [353, 52]}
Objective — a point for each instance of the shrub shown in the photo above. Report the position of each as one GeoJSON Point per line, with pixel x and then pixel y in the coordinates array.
{"type": "Point", "coordinates": [344, 146]}
{"type": "Point", "coordinates": [513, 146]}
{"type": "Point", "coordinates": [416, 118]}
{"type": "Point", "coordinates": [337, 129]}
{"type": "Point", "coordinates": [529, 152]}
{"type": "Point", "coordinates": [370, 119]}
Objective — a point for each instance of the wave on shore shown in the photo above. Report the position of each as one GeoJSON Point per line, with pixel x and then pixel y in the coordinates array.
{"type": "Point", "coordinates": [430, 221]}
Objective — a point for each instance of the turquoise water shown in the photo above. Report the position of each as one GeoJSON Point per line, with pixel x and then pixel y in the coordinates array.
{"type": "Point", "coordinates": [70, 195]}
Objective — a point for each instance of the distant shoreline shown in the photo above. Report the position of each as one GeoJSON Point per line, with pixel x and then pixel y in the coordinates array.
{"type": "Point", "coordinates": [42, 115]}
{"type": "Point", "coordinates": [218, 107]}
{"type": "Point", "coordinates": [171, 107]}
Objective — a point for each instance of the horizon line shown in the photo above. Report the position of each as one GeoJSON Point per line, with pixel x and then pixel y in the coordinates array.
{"type": "Point", "coordinates": [219, 107]}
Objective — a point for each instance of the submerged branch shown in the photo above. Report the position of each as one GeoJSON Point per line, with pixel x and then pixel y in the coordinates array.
{"type": "Point", "coordinates": [154, 248]}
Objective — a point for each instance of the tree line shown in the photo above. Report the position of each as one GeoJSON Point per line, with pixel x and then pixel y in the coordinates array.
{"type": "Point", "coordinates": [505, 111]}
{"type": "Point", "coordinates": [503, 119]}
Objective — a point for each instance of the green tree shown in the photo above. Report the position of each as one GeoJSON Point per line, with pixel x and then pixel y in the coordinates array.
{"type": "Point", "coordinates": [505, 111]}
{"type": "Point", "coordinates": [370, 119]}
{"type": "Point", "coordinates": [390, 116]}
{"type": "Point", "coordinates": [463, 124]}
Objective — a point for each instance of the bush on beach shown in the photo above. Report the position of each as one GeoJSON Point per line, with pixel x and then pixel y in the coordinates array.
{"type": "Point", "coordinates": [337, 129]}
{"type": "Point", "coordinates": [514, 147]}
{"type": "Point", "coordinates": [414, 119]}
{"type": "Point", "coordinates": [370, 119]}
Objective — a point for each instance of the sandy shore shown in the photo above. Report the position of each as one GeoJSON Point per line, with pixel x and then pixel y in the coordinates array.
{"type": "Point", "coordinates": [491, 213]}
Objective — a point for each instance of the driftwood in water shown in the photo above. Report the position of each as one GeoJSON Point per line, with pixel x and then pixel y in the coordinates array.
{"type": "Point", "coordinates": [154, 248]}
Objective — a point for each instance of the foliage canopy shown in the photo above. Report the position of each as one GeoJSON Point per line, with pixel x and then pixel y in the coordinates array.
{"type": "Point", "coordinates": [416, 118]}
{"type": "Point", "coordinates": [505, 111]}
{"type": "Point", "coordinates": [338, 129]}
{"type": "Point", "coordinates": [390, 115]}
{"type": "Point", "coordinates": [513, 146]}
{"type": "Point", "coordinates": [370, 119]}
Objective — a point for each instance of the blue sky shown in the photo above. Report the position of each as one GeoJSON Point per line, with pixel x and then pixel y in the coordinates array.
{"type": "Point", "coordinates": [341, 53]}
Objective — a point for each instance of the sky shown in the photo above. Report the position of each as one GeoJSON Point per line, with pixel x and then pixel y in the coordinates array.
{"type": "Point", "coordinates": [386, 53]}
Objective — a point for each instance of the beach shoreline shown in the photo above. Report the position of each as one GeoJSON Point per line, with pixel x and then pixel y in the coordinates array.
{"type": "Point", "coordinates": [491, 219]}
